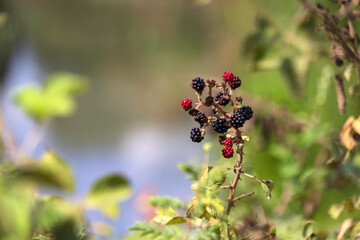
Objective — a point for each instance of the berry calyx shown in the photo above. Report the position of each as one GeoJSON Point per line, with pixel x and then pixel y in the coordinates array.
{"type": "Point", "coordinates": [225, 100]}
{"type": "Point", "coordinates": [228, 76]}
{"type": "Point", "coordinates": [186, 103]}
{"type": "Point", "coordinates": [237, 120]}
{"type": "Point", "coordinates": [228, 142]}
{"type": "Point", "coordinates": [195, 135]}
{"type": "Point", "coordinates": [200, 118]}
{"type": "Point", "coordinates": [247, 112]}
{"type": "Point", "coordinates": [220, 125]}
{"type": "Point", "coordinates": [235, 82]}
{"type": "Point", "coordinates": [198, 84]}
{"type": "Point", "coordinates": [227, 152]}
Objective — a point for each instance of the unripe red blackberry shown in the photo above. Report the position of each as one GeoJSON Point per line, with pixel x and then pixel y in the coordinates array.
{"type": "Point", "coordinates": [227, 152]}
{"type": "Point", "coordinates": [228, 76]}
{"type": "Point", "coordinates": [237, 119]}
{"type": "Point", "coordinates": [228, 142]}
{"type": "Point", "coordinates": [198, 84]}
{"type": "Point", "coordinates": [186, 103]}
{"type": "Point", "coordinates": [195, 135]}
{"type": "Point", "coordinates": [235, 83]}
{"type": "Point", "coordinates": [224, 101]}
{"type": "Point", "coordinates": [247, 112]}
{"type": "Point", "coordinates": [200, 118]}
{"type": "Point", "coordinates": [220, 125]}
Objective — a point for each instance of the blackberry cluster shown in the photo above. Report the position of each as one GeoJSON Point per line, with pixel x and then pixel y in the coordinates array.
{"type": "Point", "coordinates": [247, 112]}
{"type": "Point", "coordinates": [220, 125]}
{"type": "Point", "coordinates": [195, 135]}
{"type": "Point", "coordinates": [198, 84]}
{"type": "Point", "coordinates": [200, 118]}
{"type": "Point", "coordinates": [235, 83]}
{"type": "Point", "coordinates": [220, 120]}
{"type": "Point", "coordinates": [224, 101]}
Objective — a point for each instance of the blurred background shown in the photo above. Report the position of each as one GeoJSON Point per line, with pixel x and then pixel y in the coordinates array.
{"type": "Point", "coordinates": [140, 57]}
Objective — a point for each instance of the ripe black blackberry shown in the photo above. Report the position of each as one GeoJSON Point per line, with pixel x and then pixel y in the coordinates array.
{"type": "Point", "coordinates": [220, 125]}
{"type": "Point", "coordinates": [200, 118]}
{"type": "Point", "coordinates": [198, 84]}
{"type": "Point", "coordinates": [247, 112]}
{"type": "Point", "coordinates": [195, 135]}
{"type": "Point", "coordinates": [339, 62]}
{"type": "Point", "coordinates": [224, 101]}
{"type": "Point", "coordinates": [237, 120]}
{"type": "Point", "coordinates": [235, 83]}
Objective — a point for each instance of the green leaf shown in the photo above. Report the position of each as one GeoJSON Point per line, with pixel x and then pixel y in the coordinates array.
{"type": "Point", "coordinates": [55, 98]}
{"type": "Point", "coordinates": [164, 202]}
{"type": "Point", "coordinates": [192, 171]}
{"type": "Point", "coordinates": [51, 170]}
{"type": "Point", "coordinates": [105, 194]}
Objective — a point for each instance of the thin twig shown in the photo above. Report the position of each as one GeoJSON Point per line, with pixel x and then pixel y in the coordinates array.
{"type": "Point", "coordinates": [243, 196]}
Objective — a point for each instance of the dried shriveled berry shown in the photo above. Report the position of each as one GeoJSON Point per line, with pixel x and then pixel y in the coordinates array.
{"type": "Point", "coordinates": [195, 135]}
{"type": "Point", "coordinates": [186, 103]}
{"type": "Point", "coordinates": [228, 152]}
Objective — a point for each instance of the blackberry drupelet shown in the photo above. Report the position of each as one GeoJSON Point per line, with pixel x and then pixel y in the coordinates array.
{"type": "Point", "coordinates": [247, 112]}
{"type": "Point", "coordinates": [220, 125]}
{"type": "Point", "coordinates": [237, 120]}
{"type": "Point", "coordinates": [198, 84]}
{"type": "Point", "coordinates": [195, 135]}
{"type": "Point", "coordinates": [235, 83]}
{"type": "Point", "coordinates": [224, 101]}
{"type": "Point", "coordinates": [200, 118]}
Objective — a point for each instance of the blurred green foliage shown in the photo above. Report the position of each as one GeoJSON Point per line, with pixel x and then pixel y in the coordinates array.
{"type": "Point", "coordinates": [26, 211]}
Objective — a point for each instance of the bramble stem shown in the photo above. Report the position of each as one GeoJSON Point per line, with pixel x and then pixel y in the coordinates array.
{"type": "Point", "coordinates": [238, 167]}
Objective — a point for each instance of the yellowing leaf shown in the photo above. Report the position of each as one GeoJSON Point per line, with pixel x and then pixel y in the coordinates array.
{"type": "Point", "coordinates": [164, 215]}
{"type": "Point", "coordinates": [356, 125]}
{"type": "Point", "coordinates": [346, 137]}
{"type": "Point", "coordinates": [335, 210]}
{"type": "Point", "coordinates": [176, 220]}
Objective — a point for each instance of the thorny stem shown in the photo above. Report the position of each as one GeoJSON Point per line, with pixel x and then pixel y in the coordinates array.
{"type": "Point", "coordinates": [238, 167]}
